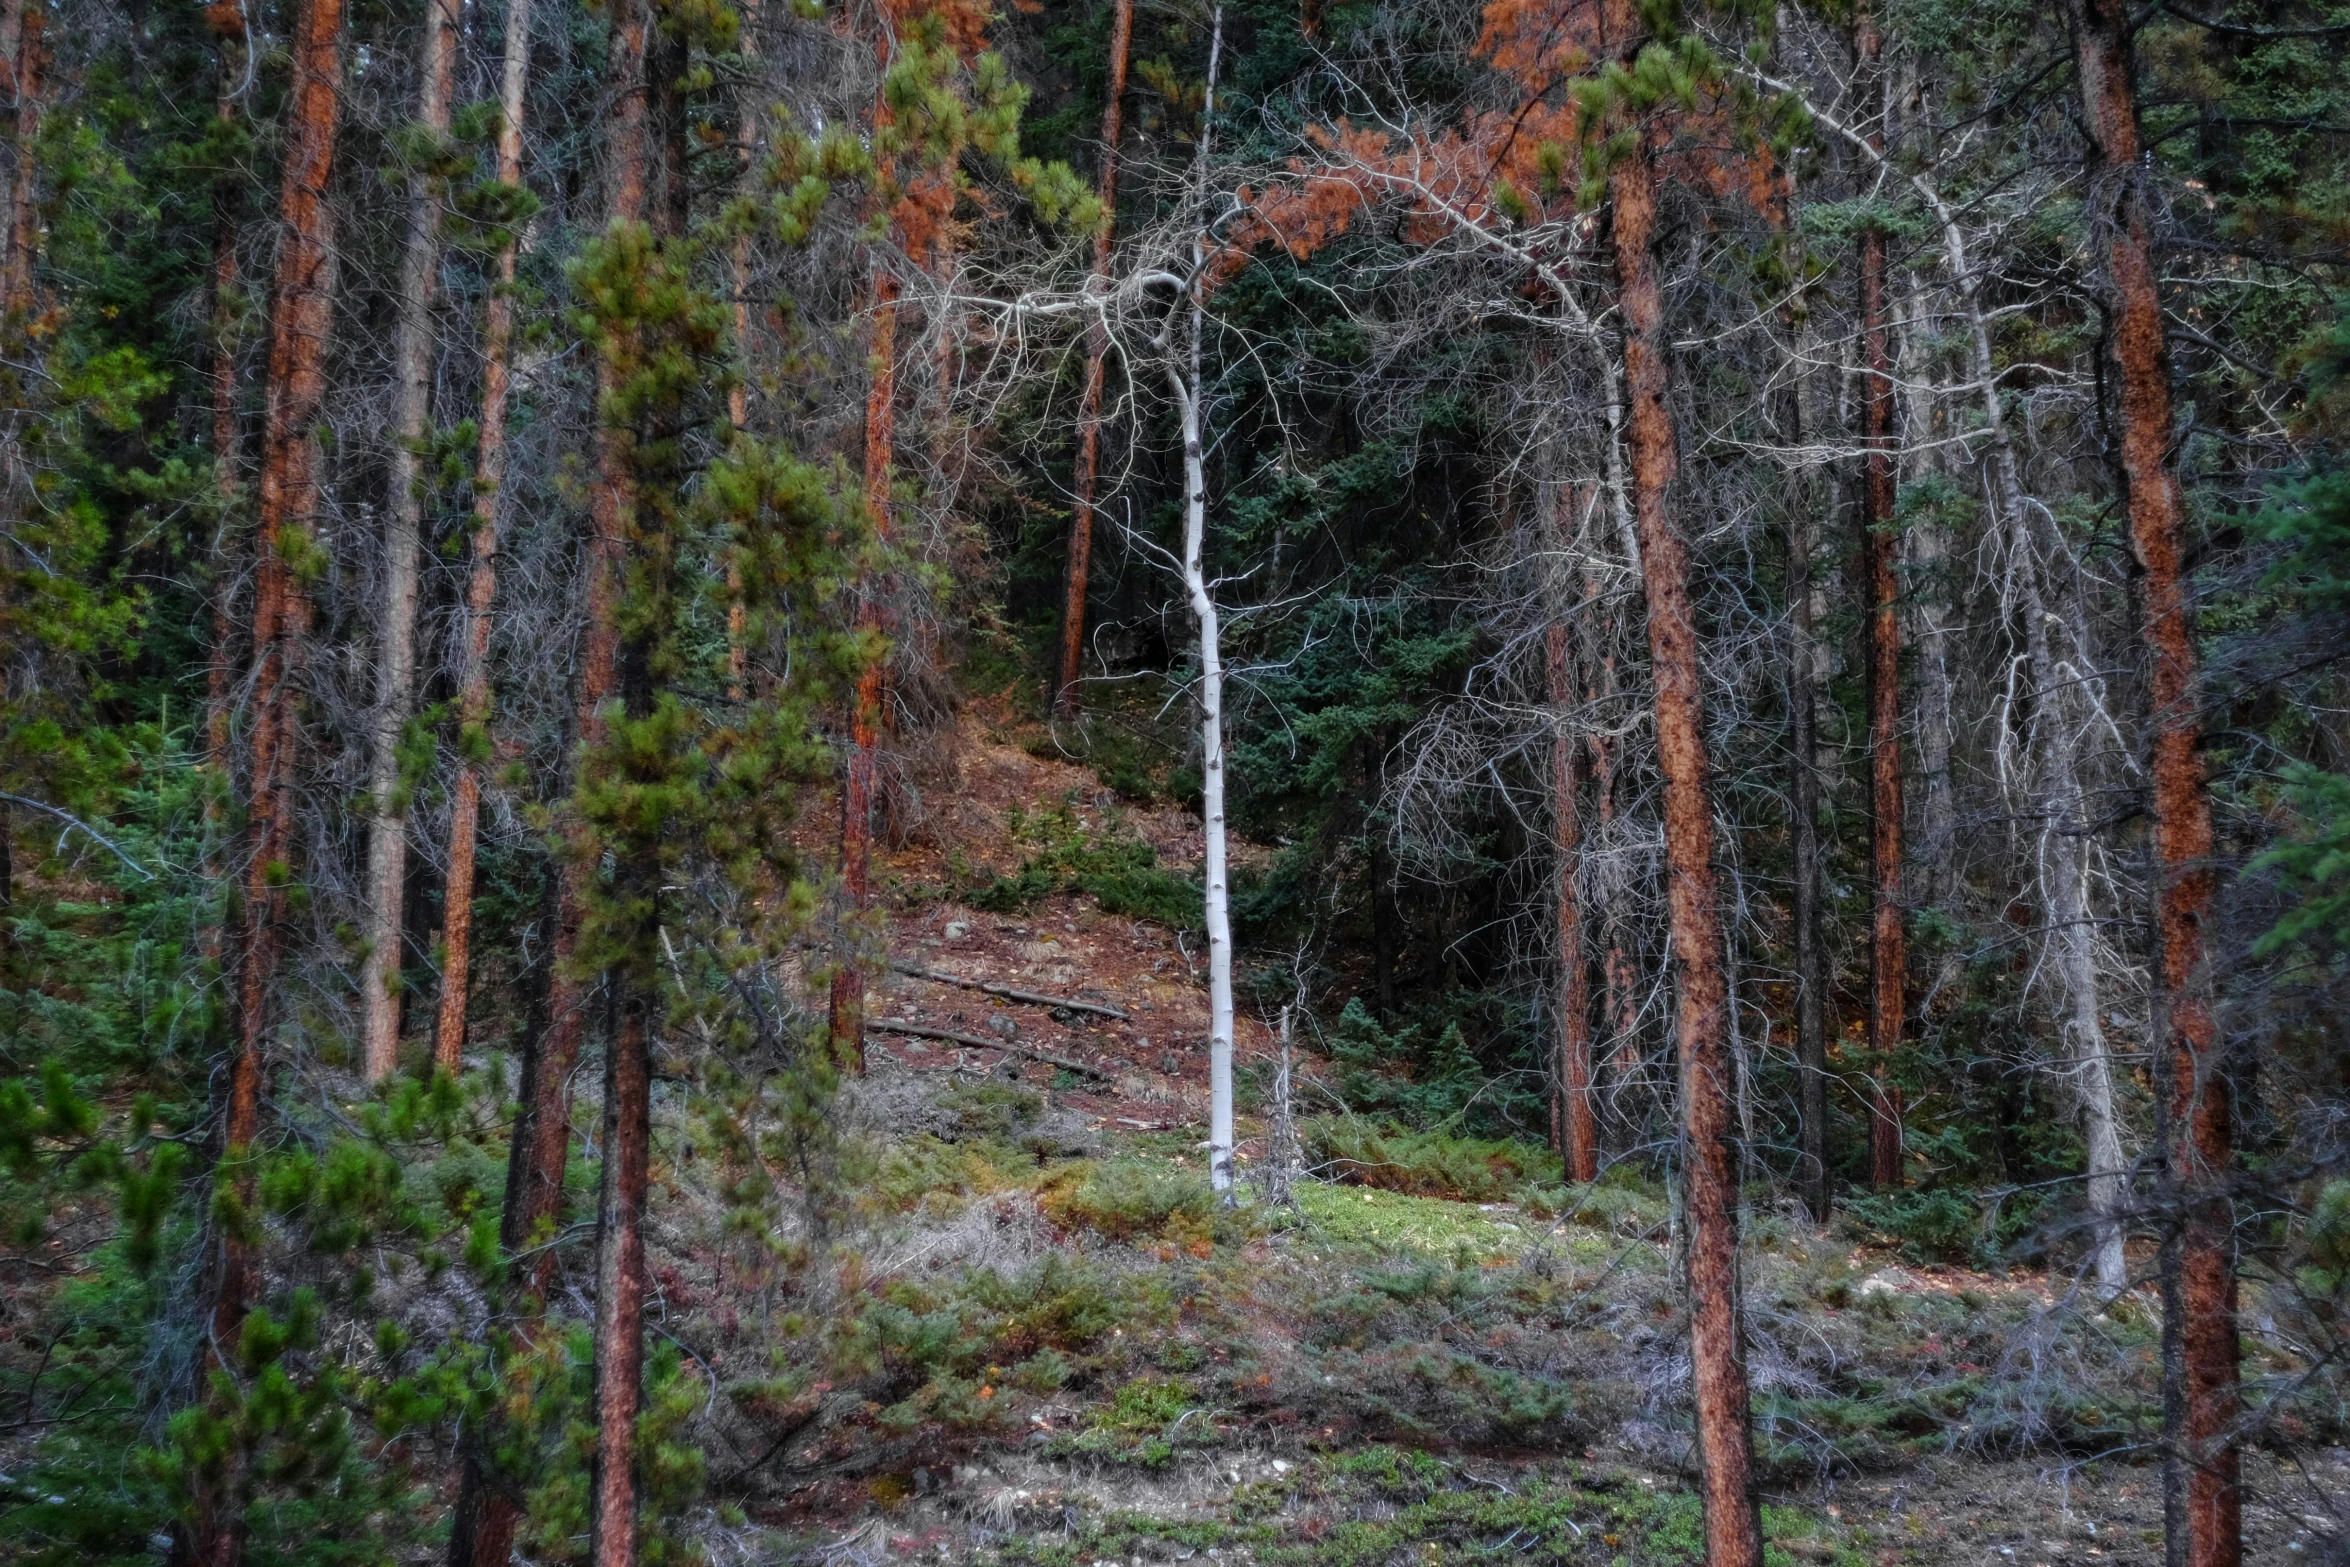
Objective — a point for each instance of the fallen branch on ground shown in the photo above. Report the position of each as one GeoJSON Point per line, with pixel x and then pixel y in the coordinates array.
{"type": "Point", "coordinates": [891, 1025]}
{"type": "Point", "coordinates": [1034, 998]}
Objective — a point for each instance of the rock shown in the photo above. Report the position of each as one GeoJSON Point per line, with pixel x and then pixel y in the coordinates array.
{"type": "Point", "coordinates": [1887, 1281]}
{"type": "Point", "coordinates": [957, 930]}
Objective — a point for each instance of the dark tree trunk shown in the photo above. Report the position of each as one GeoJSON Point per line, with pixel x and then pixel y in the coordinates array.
{"type": "Point", "coordinates": [1089, 407]}
{"type": "Point", "coordinates": [1888, 961]}
{"type": "Point", "coordinates": [1574, 1129]}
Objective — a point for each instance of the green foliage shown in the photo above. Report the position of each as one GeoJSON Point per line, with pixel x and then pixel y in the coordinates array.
{"type": "Point", "coordinates": [2315, 862]}
{"type": "Point", "coordinates": [1426, 1164]}
{"type": "Point", "coordinates": [1107, 863]}
{"type": "Point", "coordinates": [1127, 1199]}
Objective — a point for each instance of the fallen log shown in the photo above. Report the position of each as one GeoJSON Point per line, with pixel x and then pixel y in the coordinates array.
{"type": "Point", "coordinates": [1034, 998]}
{"type": "Point", "coordinates": [893, 1025]}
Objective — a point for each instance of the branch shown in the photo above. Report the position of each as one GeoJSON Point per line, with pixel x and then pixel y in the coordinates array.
{"type": "Point", "coordinates": [891, 1025]}
{"type": "Point", "coordinates": [1033, 998]}
{"type": "Point", "coordinates": [72, 820]}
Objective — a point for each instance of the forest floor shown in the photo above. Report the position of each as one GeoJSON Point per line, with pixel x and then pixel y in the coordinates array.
{"type": "Point", "coordinates": [1050, 1348]}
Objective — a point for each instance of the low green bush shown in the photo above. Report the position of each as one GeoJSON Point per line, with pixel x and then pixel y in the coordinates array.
{"type": "Point", "coordinates": [1127, 1199]}
{"type": "Point", "coordinates": [1427, 1164]}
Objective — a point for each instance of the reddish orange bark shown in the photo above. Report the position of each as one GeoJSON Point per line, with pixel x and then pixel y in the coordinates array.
{"type": "Point", "coordinates": [1888, 961]}
{"type": "Point", "coordinates": [301, 319]}
{"type": "Point", "coordinates": [1574, 1129]}
{"type": "Point", "coordinates": [1097, 347]}
{"type": "Point", "coordinates": [489, 475]}
{"type": "Point", "coordinates": [1725, 1440]}
{"type": "Point", "coordinates": [24, 211]}
{"type": "Point", "coordinates": [856, 809]}
{"type": "Point", "coordinates": [2206, 1398]}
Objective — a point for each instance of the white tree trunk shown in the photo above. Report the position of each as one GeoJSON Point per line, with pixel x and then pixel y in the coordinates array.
{"type": "Point", "coordinates": [387, 845]}
{"type": "Point", "coordinates": [1186, 384]}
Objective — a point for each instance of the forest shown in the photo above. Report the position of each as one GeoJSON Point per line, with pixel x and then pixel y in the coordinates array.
{"type": "Point", "coordinates": [1305, 783]}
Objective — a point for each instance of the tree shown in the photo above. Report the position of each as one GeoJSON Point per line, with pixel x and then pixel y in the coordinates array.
{"type": "Point", "coordinates": [1097, 347]}
{"type": "Point", "coordinates": [1888, 960]}
{"type": "Point", "coordinates": [2206, 1524]}
{"type": "Point", "coordinates": [301, 324]}
{"type": "Point", "coordinates": [412, 360]}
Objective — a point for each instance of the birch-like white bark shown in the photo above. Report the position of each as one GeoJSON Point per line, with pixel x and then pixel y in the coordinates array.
{"type": "Point", "coordinates": [1185, 382]}
{"type": "Point", "coordinates": [387, 842]}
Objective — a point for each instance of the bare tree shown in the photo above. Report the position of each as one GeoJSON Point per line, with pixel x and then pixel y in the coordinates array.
{"type": "Point", "coordinates": [412, 357]}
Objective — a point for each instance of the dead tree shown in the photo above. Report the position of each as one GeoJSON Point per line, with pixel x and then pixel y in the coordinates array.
{"type": "Point", "coordinates": [412, 357]}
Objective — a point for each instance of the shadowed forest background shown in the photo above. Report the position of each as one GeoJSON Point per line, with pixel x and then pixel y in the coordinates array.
{"type": "Point", "coordinates": [1333, 784]}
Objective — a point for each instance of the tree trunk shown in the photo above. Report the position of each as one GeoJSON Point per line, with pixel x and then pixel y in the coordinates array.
{"type": "Point", "coordinates": [856, 799]}
{"type": "Point", "coordinates": [481, 588]}
{"type": "Point", "coordinates": [487, 1518]}
{"type": "Point", "coordinates": [1725, 1440]}
{"type": "Point", "coordinates": [395, 670]}
{"type": "Point", "coordinates": [1803, 810]}
{"type": "Point", "coordinates": [1574, 1129]}
{"type": "Point", "coordinates": [1187, 383]}
{"type": "Point", "coordinates": [31, 58]}
{"type": "Point", "coordinates": [1888, 964]}
{"type": "Point", "coordinates": [1097, 346]}
{"type": "Point", "coordinates": [2207, 1503]}
{"type": "Point", "coordinates": [650, 106]}
{"type": "Point", "coordinates": [301, 319]}
{"type": "Point", "coordinates": [738, 396]}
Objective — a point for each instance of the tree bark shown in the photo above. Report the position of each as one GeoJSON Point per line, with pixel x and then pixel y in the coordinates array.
{"type": "Point", "coordinates": [395, 670]}
{"type": "Point", "coordinates": [1803, 809]}
{"type": "Point", "coordinates": [488, 1518]}
{"type": "Point", "coordinates": [1097, 347]}
{"type": "Point", "coordinates": [1725, 1440]}
{"type": "Point", "coordinates": [2203, 1464]}
{"type": "Point", "coordinates": [615, 1539]}
{"type": "Point", "coordinates": [481, 588]}
{"type": "Point", "coordinates": [301, 320]}
{"type": "Point", "coordinates": [31, 61]}
{"type": "Point", "coordinates": [856, 800]}
{"type": "Point", "coordinates": [1888, 962]}
{"type": "Point", "coordinates": [1187, 384]}
{"type": "Point", "coordinates": [1574, 1129]}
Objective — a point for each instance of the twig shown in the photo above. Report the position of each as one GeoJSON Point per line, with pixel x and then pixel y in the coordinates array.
{"type": "Point", "coordinates": [1034, 998]}
{"type": "Point", "coordinates": [891, 1025]}
{"type": "Point", "coordinates": [72, 820]}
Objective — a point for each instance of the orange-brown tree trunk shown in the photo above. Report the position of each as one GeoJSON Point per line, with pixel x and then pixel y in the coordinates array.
{"type": "Point", "coordinates": [1725, 1440]}
{"type": "Point", "coordinates": [488, 1517]}
{"type": "Point", "coordinates": [1574, 1129]}
{"type": "Point", "coordinates": [652, 64]}
{"type": "Point", "coordinates": [1888, 961]}
{"type": "Point", "coordinates": [24, 209]}
{"type": "Point", "coordinates": [612, 503]}
{"type": "Point", "coordinates": [301, 319]}
{"type": "Point", "coordinates": [1089, 406]}
{"type": "Point", "coordinates": [481, 588]}
{"type": "Point", "coordinates": [412, 359]}
{"type": "Point", "coordinates": [2206, 1501]}
{"type": "Point", "coordinates": [856, 801]}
